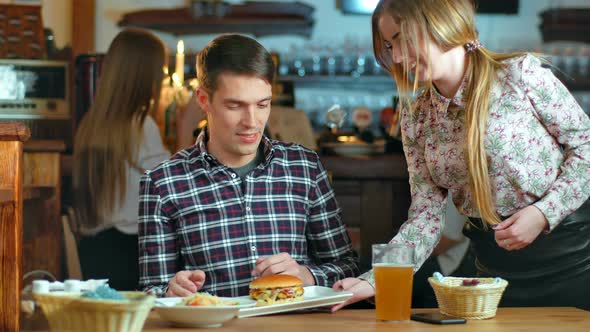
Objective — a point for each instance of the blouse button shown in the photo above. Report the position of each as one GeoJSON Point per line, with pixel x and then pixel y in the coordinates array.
{"type": "Point", "coordinates": [253, 248]}
{"type": "Point", "coordinates": [233, 175]}
{"type": "Point", "coordinates": [248, 208]}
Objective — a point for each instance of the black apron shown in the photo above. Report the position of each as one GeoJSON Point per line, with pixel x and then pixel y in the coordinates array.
{"type": "Point", "coordinates": [554, 270]}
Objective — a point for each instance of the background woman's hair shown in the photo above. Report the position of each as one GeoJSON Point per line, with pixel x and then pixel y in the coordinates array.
{"type": "Point", "coordinates": [449, 23]}
{"type": "Point", "coordinates": [109, 135]}
{"type": "Point", "coordinates": [236, 54]}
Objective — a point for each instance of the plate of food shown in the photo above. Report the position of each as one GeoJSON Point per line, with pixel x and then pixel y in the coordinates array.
{"type": "Point", "coordinates": [283, 293]}
{"type": "Point", "coordinates": [200, 309]}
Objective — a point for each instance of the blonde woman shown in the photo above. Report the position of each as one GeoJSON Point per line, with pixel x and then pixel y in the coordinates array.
{"type": "Point", "coordinates": [505, 137]}
{"type": "Point", "coordinates": [115, 143]}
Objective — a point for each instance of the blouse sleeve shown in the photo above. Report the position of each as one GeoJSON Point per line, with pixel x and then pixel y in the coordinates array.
{"type": "Point", "coordinates": [565, 120]}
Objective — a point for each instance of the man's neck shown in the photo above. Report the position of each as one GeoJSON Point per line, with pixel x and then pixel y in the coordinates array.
{"type": "Point", "coordinates": [229, 161]}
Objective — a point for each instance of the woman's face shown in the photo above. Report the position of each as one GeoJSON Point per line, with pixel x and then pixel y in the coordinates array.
{"type": "Point", "coordinates": [393, 41]}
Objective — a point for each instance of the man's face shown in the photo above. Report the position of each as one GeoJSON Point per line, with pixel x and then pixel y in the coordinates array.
{"type": "Point", "coordinates": [236, 114]}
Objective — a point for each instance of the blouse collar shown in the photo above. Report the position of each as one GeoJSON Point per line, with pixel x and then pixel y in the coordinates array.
{"type": "Point", "coordinates": [442, 103]}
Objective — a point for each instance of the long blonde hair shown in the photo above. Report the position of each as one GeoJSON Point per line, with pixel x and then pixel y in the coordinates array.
{"type": "Point", "coordinates": [448, 23]}
{"type": "Point", "coordinates": [110, 133]}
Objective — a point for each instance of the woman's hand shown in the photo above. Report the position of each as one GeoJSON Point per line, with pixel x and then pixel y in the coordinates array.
{"type": "Point", "coordinates": [360, 288]}
{"type": "Point", "coordinates": [521, 229]}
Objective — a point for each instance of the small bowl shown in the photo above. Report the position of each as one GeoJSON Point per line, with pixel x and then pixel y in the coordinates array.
{"type": "Point", "coordinates": [198, 316]}
{"type": "Point", "coordinates": [202, 317]}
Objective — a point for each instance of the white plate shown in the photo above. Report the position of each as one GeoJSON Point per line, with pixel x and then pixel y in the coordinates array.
{"type": "Point", "coordinates": [313, 297]}
{"type": "Point", "coordinates": [199, 316]}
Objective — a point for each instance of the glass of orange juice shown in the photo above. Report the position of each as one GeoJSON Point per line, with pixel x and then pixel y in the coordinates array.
{"type": "Point", "coordinates": [393, 265]}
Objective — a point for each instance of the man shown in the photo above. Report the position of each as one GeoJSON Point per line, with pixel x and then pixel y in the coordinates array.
{"type": "Point", "coordinates": [237, 205]}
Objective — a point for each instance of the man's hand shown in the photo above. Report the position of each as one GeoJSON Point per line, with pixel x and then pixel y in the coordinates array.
{"type": "Point", "coordinates": [521, 229]}
{"type": "Point", "coordinates": [360, 288]}
{"type": "Point", "coordinates": [282, 263]}
{"type": "Point", "coordinates": [185, 283]}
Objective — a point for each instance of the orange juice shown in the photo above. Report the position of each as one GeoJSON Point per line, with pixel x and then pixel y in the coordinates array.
{"type": "Point", "coordinates": [393, 291]}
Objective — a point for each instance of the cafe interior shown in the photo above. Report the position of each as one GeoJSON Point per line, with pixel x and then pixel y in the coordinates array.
{"type": "Point", "coordinates": [330, 95]}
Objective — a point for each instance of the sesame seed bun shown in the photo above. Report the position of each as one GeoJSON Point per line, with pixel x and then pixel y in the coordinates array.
{"type": "Point", "coordinates": [276, 281]}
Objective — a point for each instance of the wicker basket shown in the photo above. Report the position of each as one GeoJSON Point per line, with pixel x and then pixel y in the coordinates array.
{"type": "Point", "coordinates": [73, 313]}
{"type": "Point", "coordinates": [470, 302]}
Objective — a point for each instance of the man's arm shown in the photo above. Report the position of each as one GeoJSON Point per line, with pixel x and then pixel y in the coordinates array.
{"type": "Point", "coordinates": [328, 243]}
{"type": "Point", "coordinates": [158, 254]}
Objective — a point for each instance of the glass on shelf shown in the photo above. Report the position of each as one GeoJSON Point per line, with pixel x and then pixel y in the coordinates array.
{"type": "Point", "coordinates": [583, 60]}
{"type": "Point", "coordinates": [335, 118]}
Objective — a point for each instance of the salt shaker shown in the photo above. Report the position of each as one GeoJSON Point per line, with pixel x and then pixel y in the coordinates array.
{"type": "Point", "coordinates": [40, 286]}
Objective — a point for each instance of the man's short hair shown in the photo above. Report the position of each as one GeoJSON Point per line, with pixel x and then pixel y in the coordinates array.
{"type": "Point", "coordinates": [235, 54]}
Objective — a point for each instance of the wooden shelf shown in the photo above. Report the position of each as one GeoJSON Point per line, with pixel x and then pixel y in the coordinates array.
{"type": "Point", "coordinates": [575, 84]}
{"type": "Point", "coordinates": [565, 24]}
{"type": "Point", "coordinates": [374, 83]}
{"type": "Point", "coordinates": [386, 83]}
{"type": "Point", "coordinates": [180, 22]}
{"type": "Point", "coordinates": [44, 146]}
{"type": "Point", "coordinates": [38, 192]}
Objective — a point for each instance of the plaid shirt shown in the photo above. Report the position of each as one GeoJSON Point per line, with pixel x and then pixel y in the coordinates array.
{"type": "Point", "coordinates": [197, 214]}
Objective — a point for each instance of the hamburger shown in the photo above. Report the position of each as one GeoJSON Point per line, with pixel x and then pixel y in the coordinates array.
{"type": "Point", "coordinates": [274, 289]}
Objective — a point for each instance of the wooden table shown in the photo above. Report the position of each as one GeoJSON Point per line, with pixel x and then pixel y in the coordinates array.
{"type": "Point", "coordinates": [507, 319]}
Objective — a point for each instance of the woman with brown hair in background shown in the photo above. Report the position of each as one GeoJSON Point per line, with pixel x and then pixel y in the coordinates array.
{"type": "Point", "coordinates": [115, 143]}
{"type": "Point", "coordinates": [505, 137]}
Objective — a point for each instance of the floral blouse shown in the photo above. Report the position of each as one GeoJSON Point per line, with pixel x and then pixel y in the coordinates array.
{"type": "Point", "coordinates": [537, 142]}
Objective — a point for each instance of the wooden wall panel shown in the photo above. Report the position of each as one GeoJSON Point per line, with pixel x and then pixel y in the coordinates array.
{"type": "Point", "coordinates": [83, 26]}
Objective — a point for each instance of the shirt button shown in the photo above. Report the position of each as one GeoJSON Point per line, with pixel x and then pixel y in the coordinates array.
{"type": "Point", "coordinates": [233, 175]}
{"type": "Point", "coordinates": [253, 248]}
{"type": "Point", "coordinates": [248, 208]}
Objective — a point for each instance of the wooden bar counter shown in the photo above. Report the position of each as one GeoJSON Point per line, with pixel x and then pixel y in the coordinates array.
{"type": "Point", "coordinates": [374, 194]}
{"type": "Point", "coordinates": [507, 319]}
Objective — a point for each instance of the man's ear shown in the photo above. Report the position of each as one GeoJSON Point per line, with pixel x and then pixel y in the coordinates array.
{"type": "Point", "coordinates": [203, 99]}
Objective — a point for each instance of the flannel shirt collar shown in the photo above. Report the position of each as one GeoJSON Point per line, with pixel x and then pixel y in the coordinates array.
{"type": "Point", "coordinates": [210, 161]}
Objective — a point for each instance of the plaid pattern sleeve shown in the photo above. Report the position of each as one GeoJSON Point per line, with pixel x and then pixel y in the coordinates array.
{"type": "Point", "coordinates": [198, 214]}
{"type": "Point", "coordinates": [157, 240]}
{"type": "Point", "coordinates": [332, 251]}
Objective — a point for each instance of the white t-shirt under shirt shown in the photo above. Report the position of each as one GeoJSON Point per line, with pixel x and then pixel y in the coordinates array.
{"type": "Point", "coordinates": [450, 260]}
{"type": "Point", "coordinates": [151, 152]}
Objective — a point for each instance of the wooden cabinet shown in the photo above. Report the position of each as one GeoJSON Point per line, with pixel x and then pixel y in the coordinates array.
{"type": "Point", "coordinates": [374, 195]}
{"type": "Point", "coordinates": [42, 228]}
{"type": "Point", "coordinates": [12, 136]}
